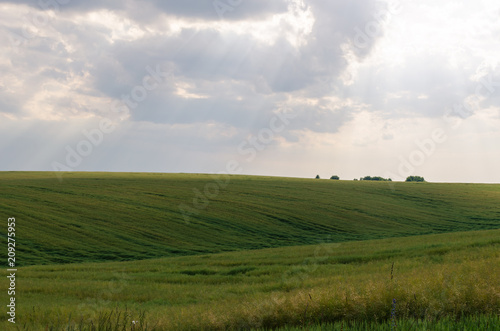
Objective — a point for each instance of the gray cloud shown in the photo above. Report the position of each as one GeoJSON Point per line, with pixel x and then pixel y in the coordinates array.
{"type": "Point", "coordinates": [145, 11]}
{"type": "Point", "coordinates": [225, 84]}
{"type": "Point", "coordinates": [73, 5]}
{"type": "Point", "coordinates": [209, 9]}
{"type": "Point", "coordinates": [423, 86]}
{"type": "Point", "coordinates": [249, 77]}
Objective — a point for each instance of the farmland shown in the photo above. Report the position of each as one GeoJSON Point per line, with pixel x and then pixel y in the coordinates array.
{"type": "Point", "coordinates": [107, 249]}
{"type": "Point", "coordinates": [433, 276]}
{"type": "Point", "coordinates": [118, 217]}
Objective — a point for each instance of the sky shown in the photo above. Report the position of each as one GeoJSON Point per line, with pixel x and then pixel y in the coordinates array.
{"type": "Point", "coordinates": [281, 88]}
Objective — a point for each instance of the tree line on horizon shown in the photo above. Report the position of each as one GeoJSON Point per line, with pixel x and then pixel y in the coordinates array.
{"type": "Point", "coordinates": [381, 179]}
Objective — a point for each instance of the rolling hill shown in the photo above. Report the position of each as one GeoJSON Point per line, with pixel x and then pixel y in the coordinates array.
{"type": "Point", "coordinates": [91, 217]}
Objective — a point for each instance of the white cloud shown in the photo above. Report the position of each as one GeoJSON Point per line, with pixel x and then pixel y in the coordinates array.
{"type": "Point", "coordinates": [359, 107]}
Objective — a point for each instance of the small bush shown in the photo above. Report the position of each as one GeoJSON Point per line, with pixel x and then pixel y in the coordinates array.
{"type": "Point", "coordinates": [415, 179]}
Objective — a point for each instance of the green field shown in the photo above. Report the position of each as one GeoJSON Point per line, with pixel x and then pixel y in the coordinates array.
{"type": "Point", "coordinates": [97, 251]}
{"type": "Point", "coordinates": [434, 276]}
{"type": "Point", "coordinates": [110, 217]}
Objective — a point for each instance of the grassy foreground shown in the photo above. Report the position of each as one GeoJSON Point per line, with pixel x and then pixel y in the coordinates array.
{"type": "Point", "coordinates": [124, 217]}
{"type": "Point", "coordinates": [435, 280]}
{"type": "Point", "coordinates": [472, 323]}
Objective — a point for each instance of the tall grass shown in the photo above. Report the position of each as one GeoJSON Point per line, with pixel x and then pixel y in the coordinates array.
{"type": "Point", "coordinates": [113, 320]}
{"type": "Point", "coordinates": [435, 278]}
{"type": "Point", "coordinates": [472, 323]}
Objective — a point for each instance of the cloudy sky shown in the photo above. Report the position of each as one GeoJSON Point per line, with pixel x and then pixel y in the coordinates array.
{"type": "Point", "coordinates": [282, 87]}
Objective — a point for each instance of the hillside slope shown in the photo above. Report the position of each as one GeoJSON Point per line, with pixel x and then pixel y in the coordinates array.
{"type": "Point", "coordinates": [128, 216]}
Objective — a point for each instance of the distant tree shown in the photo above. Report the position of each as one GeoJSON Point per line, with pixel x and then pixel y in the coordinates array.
{"type": "Point", "coordinates": [317, 176]}
{"type": "Point", "coordinates": [415, 179]}
{"type": "Point", "coordinates": [335, 177]}
{"type": "Point", "coordinates": [376, 178]}
{"type": "Point", "coordinates": [355, 179]}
